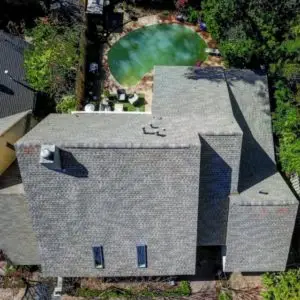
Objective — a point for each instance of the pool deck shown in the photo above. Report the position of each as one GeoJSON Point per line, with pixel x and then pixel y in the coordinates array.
{"type": "Point", "coordinates": [146, 84]}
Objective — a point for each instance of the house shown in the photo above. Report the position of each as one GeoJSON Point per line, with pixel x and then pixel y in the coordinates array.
{"type": "Point", "coordinates": [138, 194]}
{"type": "Point", "coordinates": [17, 101]}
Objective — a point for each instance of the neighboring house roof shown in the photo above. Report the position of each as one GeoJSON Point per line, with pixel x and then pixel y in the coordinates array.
{"type": "Point", "coordinates": [17, 237]}
{"type": "Point", "coordinates": [7, 122]}
{"type": "Point", "coordinates": [15, 95]}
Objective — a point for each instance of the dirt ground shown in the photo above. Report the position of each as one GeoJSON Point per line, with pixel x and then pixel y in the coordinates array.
{"type": "Point", "coordinates": [240, 286]}
{"type": "Point", "coordinates": [11, 294]}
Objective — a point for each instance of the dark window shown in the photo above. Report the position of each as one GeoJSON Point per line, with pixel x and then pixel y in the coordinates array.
{"type": "Point", "coordinates": [10, 146]}
{"type": "Point", "coordinates": [141, 256]}
{"type": "Point", "coordinates": [98, 257]}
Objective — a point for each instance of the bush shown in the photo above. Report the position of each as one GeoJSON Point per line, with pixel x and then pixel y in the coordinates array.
{"type": "Point", "coordinates": [183, 289]}
{"type": "Point", "coordinates": [224, 296]}
{"type": "Point", "coordinates": [192, 15]}
{"type": "Point", "coordinates": [287, 127]}
{"type": "Point", "coordinates": [282, 285]}
{"type": "Point", "coordinates": [67, 104]}
{"type": "Point", "coordinates": [51, 62]}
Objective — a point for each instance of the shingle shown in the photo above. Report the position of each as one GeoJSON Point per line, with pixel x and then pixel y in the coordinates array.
{"type": "Point", "coordinates": [8, 122]}
{"type": "Point", "coordinates": [15, 97]}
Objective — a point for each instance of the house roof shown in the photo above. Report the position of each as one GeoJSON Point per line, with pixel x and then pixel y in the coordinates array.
{"type": "Point", "coordinates": [15, 95]}
{"type": "Point", "coordinates": [8, 122]}
{"type": "Point", "coordinates": [185, 107]}
{"type": "Point", "coordinates": [196, 97]}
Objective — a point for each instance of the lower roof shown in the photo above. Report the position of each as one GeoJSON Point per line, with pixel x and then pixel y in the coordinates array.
{"type": "Point", "coordinates": [186, 102]}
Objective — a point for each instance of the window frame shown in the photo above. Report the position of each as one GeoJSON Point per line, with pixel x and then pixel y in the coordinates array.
{"type": "Point", "coordinates": [141, 251]}
{"type": "Point", "coordinates": [98, 261]}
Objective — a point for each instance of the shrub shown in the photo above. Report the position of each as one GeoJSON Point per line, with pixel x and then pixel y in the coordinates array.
{"type": "Point", "coordinates": [183, 289]}
{"type": "Point", "coordinates": [67, 104]}
{"type": "Point", "coordinates": [287, 127]}
{"type": "Point", "coordinates": [282, 285]}
{"type": "Point", "coordinates": [192, 15]}
{"type": "Point", "coordinates": [51, 62]}
{"type": "Point", "coordinates": [224, 296]}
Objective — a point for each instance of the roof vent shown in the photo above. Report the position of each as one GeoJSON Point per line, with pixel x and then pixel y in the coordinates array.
{"type": "Point", "coordinates": [263, 192]}
{"type": "Point", "coordinates": [45, 153]}
{"type": "Point", "coordinates": [154, 127]}
{"type": "Point", "coordinates": [50, 157]}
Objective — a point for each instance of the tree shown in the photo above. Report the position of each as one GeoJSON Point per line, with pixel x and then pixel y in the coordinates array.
{"type": "Point", "coordinates": [67, 104]}
{"type": "Point", "coordinates": [282, 285]}
{"type": "Point", "coordinates": [51, 62]}
{"type": "Point", "coordinates": [287, 127]}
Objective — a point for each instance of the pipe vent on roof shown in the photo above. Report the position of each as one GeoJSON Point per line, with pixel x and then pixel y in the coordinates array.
{"type": "Point", "coordinates": [155, 127]}
{"type": "Point", "coordinates": [50, 157]}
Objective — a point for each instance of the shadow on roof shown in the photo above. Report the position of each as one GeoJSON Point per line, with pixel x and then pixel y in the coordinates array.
{"type": "Point", "coordinates": [255, 165]}
{"type": "Point", "coordinates": [71, 166]}
{"type": "Point", "coordinates": [214, 188]}
{"type": "Point", "coordinates": [11, 176]}
{"type": "Point", "coordinates": [6, 90]}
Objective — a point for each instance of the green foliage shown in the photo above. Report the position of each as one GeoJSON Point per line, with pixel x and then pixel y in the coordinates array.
{"type": "Point", "coordinates": [219, 15]}
{"type": "Point", "coordinates": [67, 104]}
{"type": "Point", "coordinates": [262, 32]}
{"type": "Point", "coordinates": [224, 296]}
{"type": "Point", "coordinates": [51, 62]}
{"type": "Point", "coordinates": [183, 289]}
{"type": "Point", "coordinates": [282, 286]}
{"type": "Point", "coordinates": [238, 52]}
{"type": "Point", "coordinates": [287, 126]}
{"type": "Point", "coordinates": [192, 15]}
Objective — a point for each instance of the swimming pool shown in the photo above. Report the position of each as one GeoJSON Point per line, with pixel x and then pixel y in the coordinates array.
{"type": "Point", "coordinates": [138, 52]}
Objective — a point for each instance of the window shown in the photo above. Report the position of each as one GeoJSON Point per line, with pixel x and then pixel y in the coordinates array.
{"type": "Point", "coordinates": [141, 256]}
{"type": "Point", "coordinates": [98, 257]}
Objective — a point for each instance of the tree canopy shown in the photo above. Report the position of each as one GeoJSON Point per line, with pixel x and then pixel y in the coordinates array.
{"type": "Point", "coordinates": [252, 33]}
{"type": "Point", "coordinates": [51, 62]}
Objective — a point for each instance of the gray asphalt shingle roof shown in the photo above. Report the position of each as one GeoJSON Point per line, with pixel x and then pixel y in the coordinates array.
{"type": "Point", "coordinates": [15, 96]}
{"type": "Point", "coordinates": [7, 122]}
{"type": "Point", "coordinates": [207, 111]}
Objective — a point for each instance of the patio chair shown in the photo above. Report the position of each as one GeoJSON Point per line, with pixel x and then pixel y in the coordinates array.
{"type": "Point", "coordinates": [118, 107]}
{"type": "Point", "coordinates": [212, 51]}
{"type": "Point", "coordinates": [133, 99]}
{"type": "Point", "coordinates": [121, 94]}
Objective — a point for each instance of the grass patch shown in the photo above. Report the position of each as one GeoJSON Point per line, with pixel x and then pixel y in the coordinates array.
{"type": "Point", "coordinates": [183, 289]}
{"type": "Point", "coordinates": [140, 104]}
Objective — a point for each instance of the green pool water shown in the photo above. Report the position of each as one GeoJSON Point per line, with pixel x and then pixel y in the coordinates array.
{"type": "Point", "coordinates": [138, 52]}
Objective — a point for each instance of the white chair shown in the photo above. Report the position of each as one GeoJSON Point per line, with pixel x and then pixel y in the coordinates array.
{"type": "Point", "coordinates": [118, 107]}
{"type": "Point", "coordinates": [89, 107]}
{"type": "Point", "coordinates": [133, 99]}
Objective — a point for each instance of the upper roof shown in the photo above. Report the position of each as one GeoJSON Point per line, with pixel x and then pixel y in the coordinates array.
{"type": "Point", "coordinates": [186, 102]}
{"type": "Point", "coordinates": [195, 96]}
{"type": "Point", "coordinates": [15, 95]}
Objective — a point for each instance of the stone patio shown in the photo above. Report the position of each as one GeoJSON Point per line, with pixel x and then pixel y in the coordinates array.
{"type": "Point", "coordinates": [146, 84]}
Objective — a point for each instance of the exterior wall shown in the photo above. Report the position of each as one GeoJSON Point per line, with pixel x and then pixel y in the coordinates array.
{"type": "Point", "coordinates": [116, 198]}
{"type": "Point", "coordinates": [259, 237]}
{"type": "Point", "coordinates": [220, 160]}
{"type": "Point", "coordinates": [17, 239]}
{"type": "Point", "coordinates": [7, 155]}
